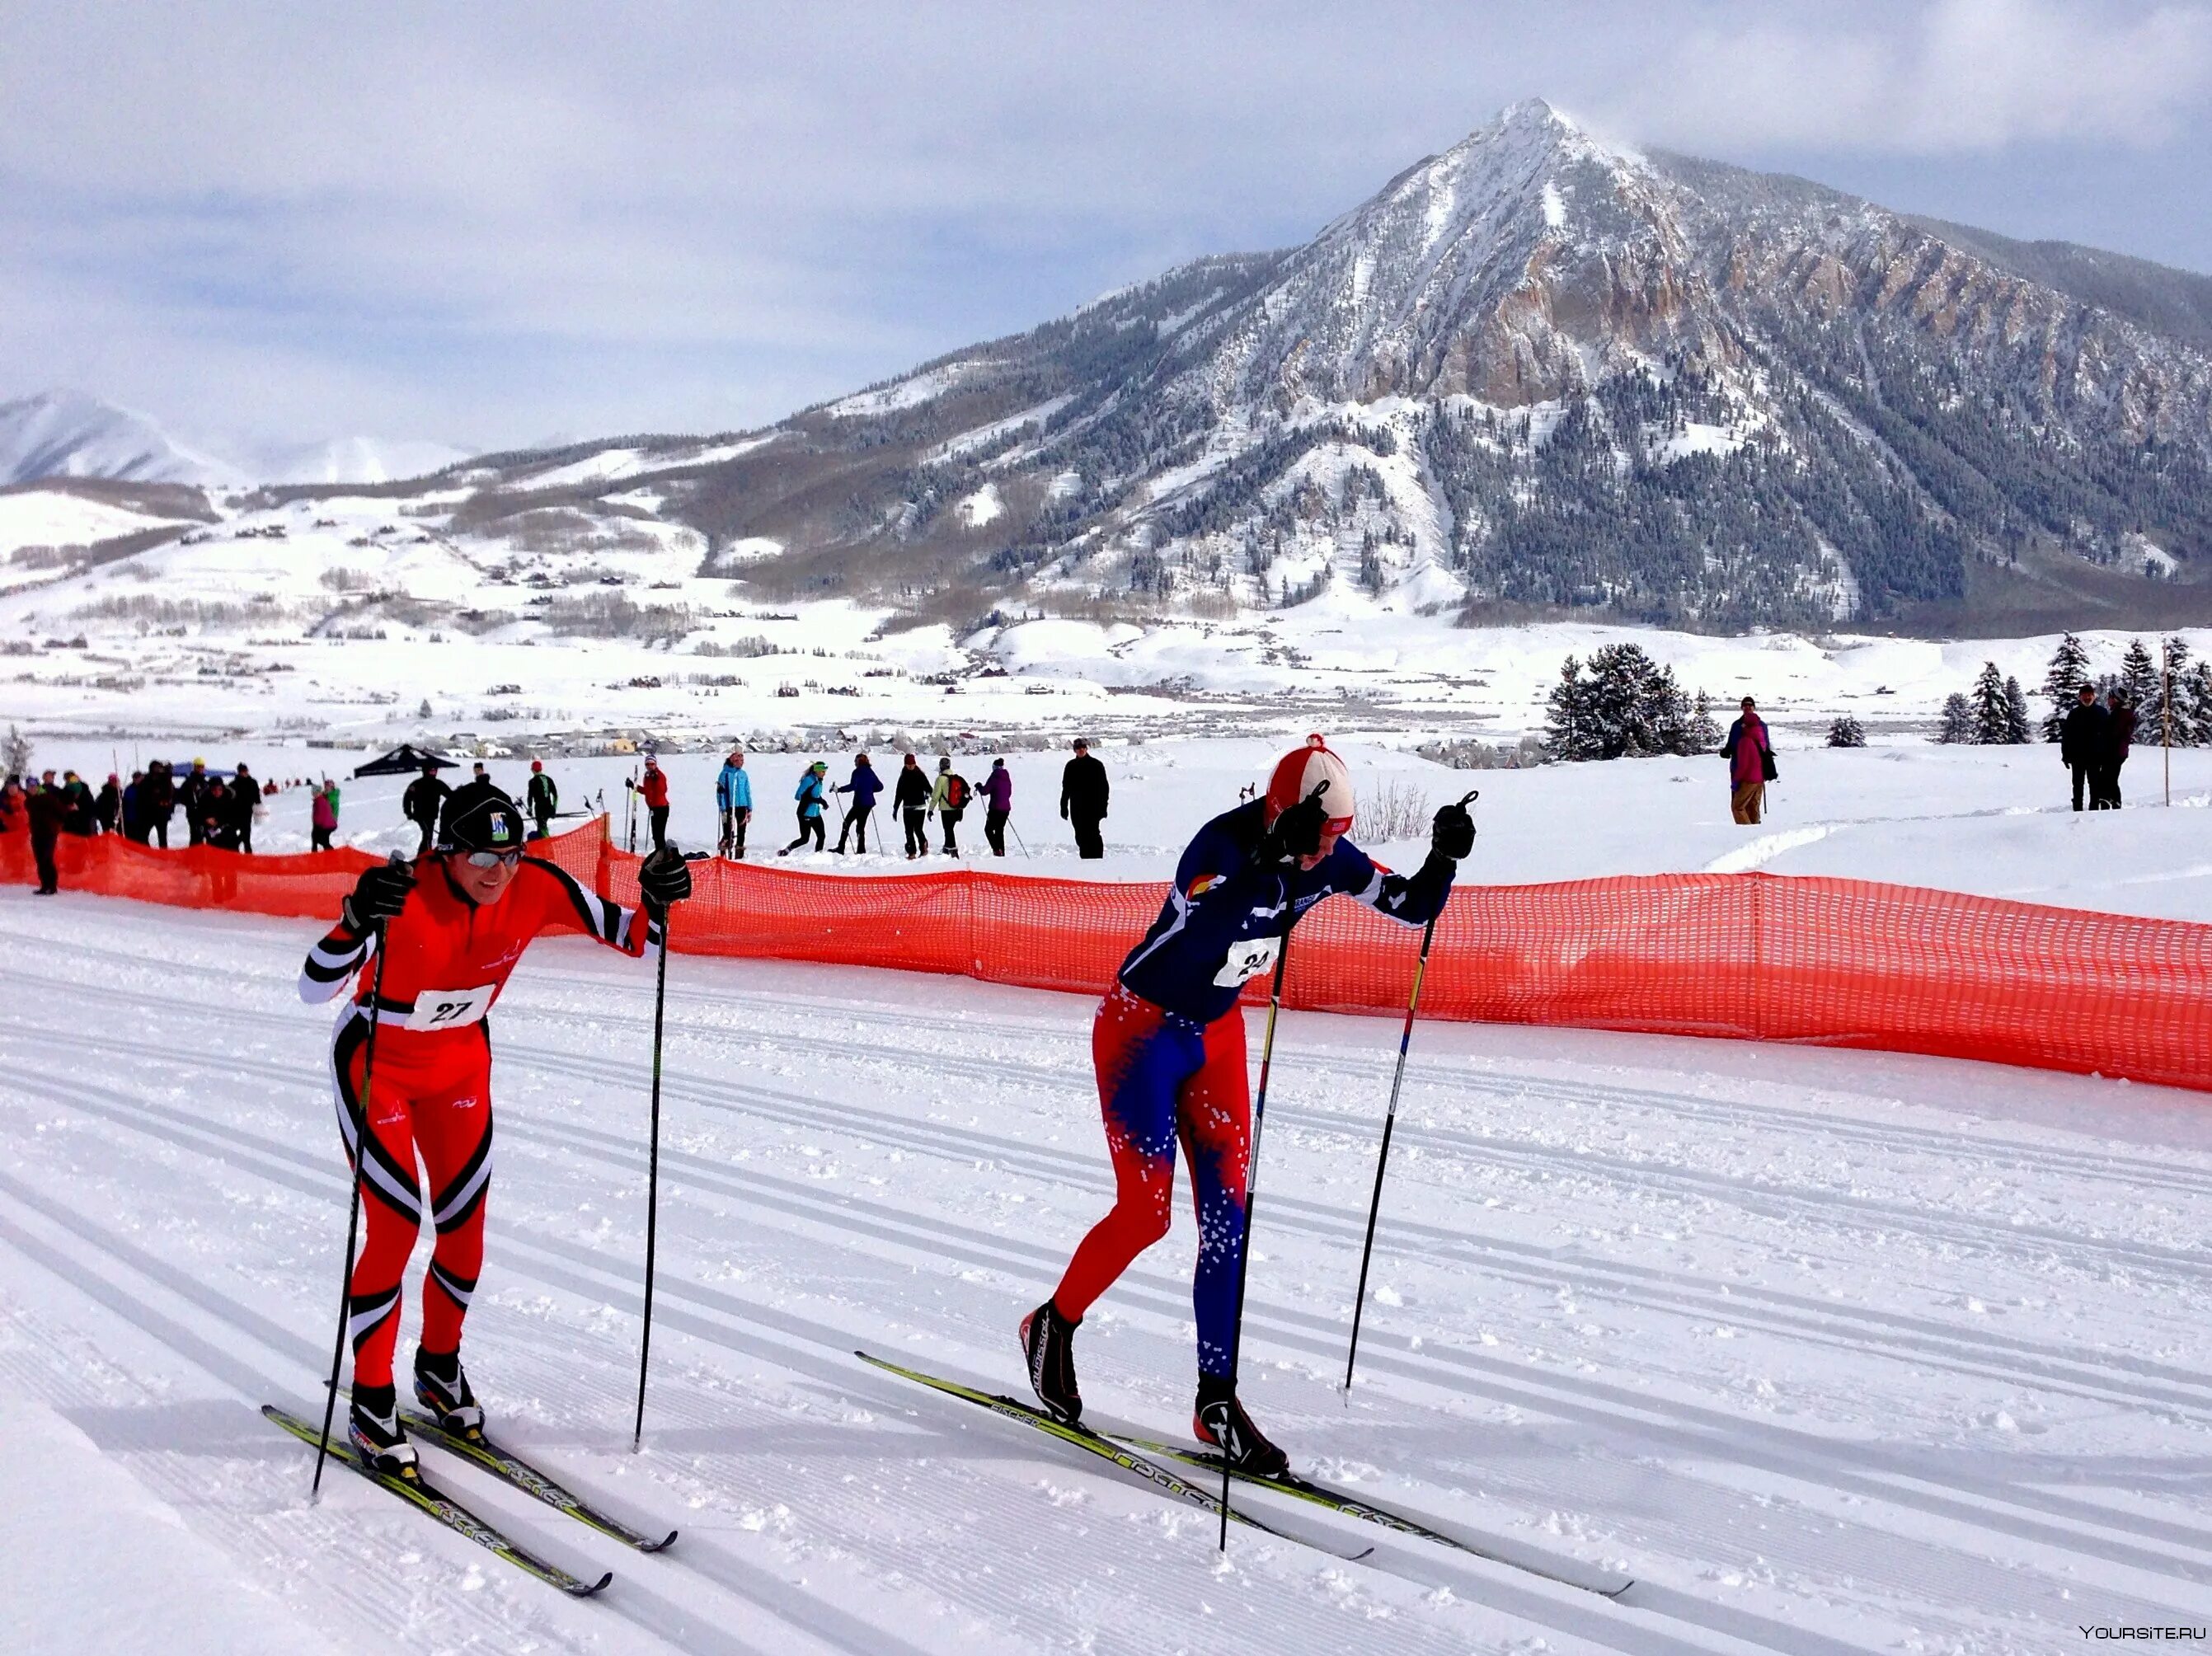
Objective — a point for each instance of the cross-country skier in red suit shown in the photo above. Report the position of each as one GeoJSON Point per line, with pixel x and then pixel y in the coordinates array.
{"type": "Point", "coordinates": [456, 922]}
{"type": "Point", "coordinates": [1168, 1044]}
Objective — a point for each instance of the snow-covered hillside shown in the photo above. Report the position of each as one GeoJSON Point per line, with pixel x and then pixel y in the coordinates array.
{"type": "Point", "coordinates": [63, 433]}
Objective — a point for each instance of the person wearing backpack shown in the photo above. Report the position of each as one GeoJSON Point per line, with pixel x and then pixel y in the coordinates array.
{"type": "Point", "coordinates": [808, 793]}
{"type": "Point", "coordinates": [911, 795]}
{"type": "Point", "coordinates": [949, 799]}
{"type": "Point", "coordinates": [1750, 755]}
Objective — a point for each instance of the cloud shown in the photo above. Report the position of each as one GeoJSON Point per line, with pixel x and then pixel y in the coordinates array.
{"type": "Point", "coordinates": [1961, 76]}
{"type": "Point", "coordinates": [487, 221]}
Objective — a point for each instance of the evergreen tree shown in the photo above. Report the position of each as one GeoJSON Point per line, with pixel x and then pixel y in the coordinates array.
{"type": "Point", "coordinates": [1846, 732]}
{"type": "Point", "coordinates": [1958, 724]}
{"type": "Point", "coordinates": [1992, 712]}
{"type": "Point", "coordinates": [1705, 730]}
{"type": "Point", "coordinates": [1566, 722]}
{"type": "Point", "coordinates": [2173, 655]}
{"type": "Point", "coordinates": [2063, 683]}
{"type": "Point", "coordinates": [2139, 677]}
{"type": "Point", "coordinates": [2197, 701]}
{"type": "Point", "coordinates": [2018, 729]}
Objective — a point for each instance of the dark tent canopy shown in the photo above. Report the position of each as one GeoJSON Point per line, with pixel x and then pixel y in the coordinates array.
{"type": "Point", "coordinates": [405, 760]}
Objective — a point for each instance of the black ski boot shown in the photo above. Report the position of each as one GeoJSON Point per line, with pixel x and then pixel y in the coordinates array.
{"type": "Point", "coordinates": [1219, 1421]}
{"type": "Point", "coordinates": [1049, 1349]}
{"type": "Point", "coordinates": [372, 1424]}
{"type": "Point", "coordinates": [443, 1389]}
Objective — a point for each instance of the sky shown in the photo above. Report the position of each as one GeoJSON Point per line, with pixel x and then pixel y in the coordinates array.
{"type": "Point", "coordinates": [492, 224]}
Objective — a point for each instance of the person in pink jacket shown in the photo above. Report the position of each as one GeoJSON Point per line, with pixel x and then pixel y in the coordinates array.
{"type": "Point", "coordinates": [323, 812]}
{"type": "Point", "coordinates": [1751, 763]}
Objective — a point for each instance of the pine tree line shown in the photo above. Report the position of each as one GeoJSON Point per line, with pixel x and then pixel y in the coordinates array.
{"type": "Point", "coordinates": [1624, 705]}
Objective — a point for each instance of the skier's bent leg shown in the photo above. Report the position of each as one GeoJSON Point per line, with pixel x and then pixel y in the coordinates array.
{"type": "Point", "coordinates": [1215, 1118]}
{"type": "Point", "coordinates": [391, 1203]}
{"type": "Point", "coordinates": [1142, 1059]}
{"type": "Point", "coordinates": [454, 1130]}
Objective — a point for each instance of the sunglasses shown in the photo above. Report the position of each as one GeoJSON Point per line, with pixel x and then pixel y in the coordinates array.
{"type": "Point", "coordinates": [493, 858]}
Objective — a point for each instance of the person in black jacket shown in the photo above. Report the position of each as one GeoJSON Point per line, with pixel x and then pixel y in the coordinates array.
{"type": "Point", "coordinates": [159, 803]}
{"type": "Point", "coordinates": [218, 816]}
{"type": "Point", "coordinates": [107, 804]}
{"type": "Point", "coordinates": [911, 795]}
{"type": "Point", "coordinates": [1083, 792]}
{"type": "Point", "coordinates": [245, 795]}
{"type": "Point", "coordinates": [46, 807]}
{"type": "Point", "coordinates": [2082, 746]}
{"type": "Point", "coordinates": [190, 791]}
{"type": "Point", "coordinates": [425, 797]}
{"type": "Point", "coordinates": [2120, 740]}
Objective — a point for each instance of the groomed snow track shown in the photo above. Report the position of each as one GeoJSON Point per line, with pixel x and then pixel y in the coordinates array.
{"type": "Point", "coordinates": [1832, 1352]}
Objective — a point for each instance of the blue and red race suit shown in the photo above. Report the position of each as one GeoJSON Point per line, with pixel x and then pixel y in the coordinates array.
{"type": "Point", "coordinates": [1168, 1044]}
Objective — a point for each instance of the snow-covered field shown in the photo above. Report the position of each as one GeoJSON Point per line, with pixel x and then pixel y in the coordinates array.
{"type": "Point", "coordinates": [1831, 1351]}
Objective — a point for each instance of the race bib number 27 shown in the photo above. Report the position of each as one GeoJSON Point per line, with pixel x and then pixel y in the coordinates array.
{"type": "Point", "coordinates": [1247, 960]}
{"type": "Point", "coordinates": [450, 1009]}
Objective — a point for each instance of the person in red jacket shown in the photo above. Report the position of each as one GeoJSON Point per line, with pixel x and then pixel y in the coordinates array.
{"type": "Point", "coordinates": [455, 924]}
{"type": "Point", "coordinates": [654, 787]}
{"type": "Point", "coordinates": [1751, 759]}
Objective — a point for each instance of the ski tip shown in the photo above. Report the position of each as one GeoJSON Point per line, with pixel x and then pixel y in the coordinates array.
{"type": "Point", "coordinates": [661, 1545]}
{"type": "Point", "coordinates": [590, 1589]}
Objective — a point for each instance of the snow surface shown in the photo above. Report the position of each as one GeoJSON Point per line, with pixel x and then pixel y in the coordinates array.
{"type": "Point", "coordinates": [52, 517]}
{"type": "Point", "coordinates": [1831, 1351]}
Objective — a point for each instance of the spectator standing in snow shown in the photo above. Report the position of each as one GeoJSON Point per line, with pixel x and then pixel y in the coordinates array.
{"type": "Point", "coordinates": [80, 819]}
{"type": "Point", "coordinates": [425, 797]}
{"type": "Point", "coordinates": [245, 799]}
{"type": "Point", "coordinates": [809, 794]}
{"type": "Point", "coordinates": [131, 810]}
{"type": "Point", "coordinates": [2119, 741]}
{"type": "Point", "coordinates": [1751, 763]}
{"type": "Point", "coordinates": [13, 801]}
{"type": "Point", "coordinates": [864, 787]}
{"type": "Point", "coordinates": [159, 803]}
{"type": "Point", "coordinates": [107, 804]}
{"type": "Point", "coordinates": [1083, 792]}
{"type": "Point", "coordinates": [323, 815]}
{"type": "Point", "coordinates": [48, 806]}
{"type": "Point", "coordinates": [543, 798]}
{"type": "Point", "coordinates": [997, 791]}
{"type": "Point", "coordinates": [734, 798]}
{"type": "Point", "coordinates": [190, 793]}
{"type": "Point", "coordinates": [949, 799]}
{"type": "Point", "coordinates": [2081, 747]}
{"type": "Point", "coordinates": [911, 797]}
{"type": "Point", "coordinates": [218, 816]}
{"type": "Point", "coordinates": [654, 790]}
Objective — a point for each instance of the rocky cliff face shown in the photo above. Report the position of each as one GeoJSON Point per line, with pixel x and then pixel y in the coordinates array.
{"type": "Point", "coordinates": [1536, 370]}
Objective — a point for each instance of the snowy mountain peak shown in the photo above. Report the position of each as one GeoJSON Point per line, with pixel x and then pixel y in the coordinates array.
{"type": "Point", "coordinates": [66, 434]}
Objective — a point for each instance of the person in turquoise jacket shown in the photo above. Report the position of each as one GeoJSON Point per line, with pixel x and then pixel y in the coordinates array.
{"type": "Point", "coordinates": [733, 796]}
{"type": "Point", "coordinates": [808, 793]}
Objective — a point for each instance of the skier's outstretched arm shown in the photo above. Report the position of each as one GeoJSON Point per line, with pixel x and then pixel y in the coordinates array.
{"type": "Point", "coordinates": [1417, 898]}
{"type": "Point", "coordinates": [377, 895]}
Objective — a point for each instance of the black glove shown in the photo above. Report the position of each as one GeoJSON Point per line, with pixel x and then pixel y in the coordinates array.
{"type": "Point", "coordinates": [1453, 833]}
{"type": "Point", "coordinates": [664, 878]}
{"type": "Point", "coordinates": [379, 895]}
{"type": "Point", "coordinates": [1298, 831]}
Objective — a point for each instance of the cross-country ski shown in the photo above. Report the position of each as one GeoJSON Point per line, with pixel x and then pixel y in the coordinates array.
{"type": "Point", "coordinates": [503, 1462]}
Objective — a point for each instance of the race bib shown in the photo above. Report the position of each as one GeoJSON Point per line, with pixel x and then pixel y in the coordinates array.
{"type": "Point", "coordinates": [1247, 960]}
{"type": "Point", "coordinates": [451, 1009]}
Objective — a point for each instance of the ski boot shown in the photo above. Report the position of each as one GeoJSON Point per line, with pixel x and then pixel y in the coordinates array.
{"type": "Point", "coordinates": [1219, 1421]}
{"type": "Point", "coordinates": [1049, 1349]}
{"type": "Point", "coordinates": [373, 1425]}
{"type": "Point", "coordinates": [443, 1389]}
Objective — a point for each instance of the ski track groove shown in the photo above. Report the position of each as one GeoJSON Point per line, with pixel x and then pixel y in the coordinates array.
{"type": "Point", "coordinates": [749, 1189]}
{"type": "Point", "coordinates": [2062, 1371]}
{"type": "Point", "coordinates": [807, 1203]}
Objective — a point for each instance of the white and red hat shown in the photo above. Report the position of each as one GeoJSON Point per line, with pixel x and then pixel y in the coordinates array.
{"type": "Point", "coordinates": [1303, 769]}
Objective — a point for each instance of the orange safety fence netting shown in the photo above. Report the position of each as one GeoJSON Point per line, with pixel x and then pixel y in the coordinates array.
{"type": "Point", "coordinates": [1750, 956]}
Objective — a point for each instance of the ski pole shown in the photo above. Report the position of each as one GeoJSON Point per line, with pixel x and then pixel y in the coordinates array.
{"type": "Point", "coordinates": [1251, 1197]}
{"type": "Point", "coordinates": [353, 1217]}
{"type": "Point", "coordinates": [652, 1183]}
{"type": "Point", "coordinates": [1383, 1160]}
{"type": "Point", "coordinates": [1019, 840]}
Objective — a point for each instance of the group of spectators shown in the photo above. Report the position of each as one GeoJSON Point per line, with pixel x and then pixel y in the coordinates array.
{"type": "Point", "coordinates": [916, 795]}
{"type": "Point", "coordinates": [220, 809]}
{"type": "Point", "coordinates": [2093, 742]}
